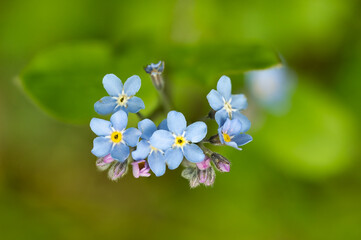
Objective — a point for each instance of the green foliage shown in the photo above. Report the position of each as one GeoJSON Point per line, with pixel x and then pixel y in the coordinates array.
{"type": "Point", "coordinates": [66, 81]}
{"type": "Point", "coordinates": [313, 143]}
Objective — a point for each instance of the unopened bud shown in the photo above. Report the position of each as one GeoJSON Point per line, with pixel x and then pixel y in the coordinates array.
{"type": "Point", "coordinates": [202, 176]}
{"type": "Point", "coordinates": [194, 181]}
{"type": "Point", "coordinates": [118, 170]}
{"type": "Point", "coordinates": [206, 163]}
{"type": "Point", "coordinates": [211, 176]}
{"type": "Point", "coordinates": [222, 163]}
{"type": "Point", "coordinates": [104, 162]}
{"type": "Point", "coordinates": [211, 114]}
{"type": "Point", "coordinates": [215, 140]}
{"type": "Point", "coordinates": [155, 71]}
{"type": "Point", "coordinates": [188, 173]}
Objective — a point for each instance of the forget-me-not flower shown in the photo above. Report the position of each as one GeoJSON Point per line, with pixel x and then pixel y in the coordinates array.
{"type": "Point", "coordinates": [179, 140]}
{"type": "Point", "coordinates": [120, 97]}
{"type": "Point", "coordinates": [272, 88]}
{"type": "Point", "coordinates": [112, 137]}
{"type": "Point", "coordinates": [156, 159]}
{"type": "Point", "coordinates": [231, 134]}
{"type": "Point", "coordinates": [227, 105]}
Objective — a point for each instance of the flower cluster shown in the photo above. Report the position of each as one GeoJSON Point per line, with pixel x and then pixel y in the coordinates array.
{"type": "Point", "coordinates": [151, 148]}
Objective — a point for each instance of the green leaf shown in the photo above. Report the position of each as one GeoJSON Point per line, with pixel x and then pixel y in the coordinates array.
{"type": "Point", "coordinates": [66, 81]}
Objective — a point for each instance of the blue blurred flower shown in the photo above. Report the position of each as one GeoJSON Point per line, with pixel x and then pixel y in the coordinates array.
{"type": "Point", "coordinates": [120, 97]}
{"type": "Point", "coordinates": [179, 140]}
{"type": "Point", "coordinates": [231, 134]}
{"type": "Point", "coordinates": [112, 137]}
{"type": "Point", "coordinates": [227, 105]}
{"type": "Point", "coordinates": [154, 69]}
{"type": "Point", "coordinates": [156, 159]}
{"type": "Point", "coordinates": [271, 88]}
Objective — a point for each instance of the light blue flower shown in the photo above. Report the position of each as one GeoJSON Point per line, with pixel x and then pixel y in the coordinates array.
{"type": "Point", "coordinates": [112, 137]}
{"type": "Point", "coordinates": [155, 68]}
{"type": "Point", "coordinates": [227, 105]}
{"type": "Point", "coordinates": [120, 97]}
{"type": "Point", "coordinates": [179, 140]}
{"type": "Point", "coordinates": [272, 88]}
{"type": "Point", "coordinates": [231, 134]}
{"type": "Point", "coordinates": [156, 158]}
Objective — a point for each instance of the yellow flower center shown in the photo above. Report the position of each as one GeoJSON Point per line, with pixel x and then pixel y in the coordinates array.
{"type": "Point", "coordinates": [122, 100]}
{"type": "Point", "coordinates": [226, 137]}
{"type": "Point", "coordinates": [180, 141]}
{"type": "Point", "coordinates": [116, 137]}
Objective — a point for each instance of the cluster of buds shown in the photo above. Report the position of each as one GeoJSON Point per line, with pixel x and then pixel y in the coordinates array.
{"type": "Point", "coordinates": [203, 172]}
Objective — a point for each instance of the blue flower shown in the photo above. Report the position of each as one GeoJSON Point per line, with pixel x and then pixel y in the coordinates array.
{"type": "Point", "coordinates": [120, 97]}
{"type": "Point", "coordinates": [155, 71]}
{"type": "Point", "coordinates": [227, 105]}
{"type": "Point", "coordinates": [156, 158]}
{"type": "Point", "coordinates": [179, 140]}
{"type": "Point", "coordinates": [112, 137]}
{"type": "Point", "coordinates": [155, 68]}
{"type": "Point", "coordinates": [272, 88]}
{"type": "Point", "coordinates": [231, 134]}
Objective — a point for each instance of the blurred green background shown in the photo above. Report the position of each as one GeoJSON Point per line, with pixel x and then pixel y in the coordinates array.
{"type": "Point", "coordinates": [300, 177]}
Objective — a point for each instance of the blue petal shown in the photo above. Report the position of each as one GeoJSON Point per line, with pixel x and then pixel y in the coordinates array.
{"type": "Point", "coordinates": [131, 136]}
{"type": "Point", "coordinates": [233, 144]}
{"type": "Point", "coordinates": [147, 127]}
{"type": "Point", "coordinates": [162, 139]}
{"type": "Point", "coordinates": [176, 122]}
{"type": "Point", "coordinates": [119, 120]}
{"type": "Point", "coordinates": [224, 87]}
{"type": "Point", "coordinates": [242, 139]}
{"type": "Point", "coordinates": [120, 152]}
{"type": "Point", "coordinates": [232, 127]}
{"type": "Point", "coordinates": [246, 124]}
{"type": "Point", "coordinates": [193, 153]}
{"type": "Point", "coordinates": [173, 157]}
{"type": "Point", "coordinates": [221, 116]}
{"type": "Point", "coordinates": [215, 100]}
{"type": "Point", "coordinates": [113, 85]}
{"type": "Point", "coordinates": [163, 125]}
{"type": "Point", "coordinates": [101, 146]}
{"type": "Point", "coordinates": [100, 127]}
{"type": "Point", "coordinates": [135, 104]}
{"type": "Point", "coordinates": [156, 162]}
{"type": "Point", "coordinates": [143, 149]}
{"type": "Point", "coordinates": [239, 101]}
{"type": "Point", "coordinates": [196, 132]}
{"type": "Point", "coordinates": [132, 85]}
{"type": "Point", "coordinates": [105, 106]}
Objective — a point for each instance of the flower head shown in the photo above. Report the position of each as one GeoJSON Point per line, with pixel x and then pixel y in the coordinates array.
{"type": "Point", "coordinates": [120, 97]}
{"type": "Point", "coordinates": [227, 105]}
{"type": "Point", "coordinates": [113, 138]}
{"type": "Point", "coordinates": [140, 169]}
{"type": "Point", "coordinates": [145, 150]}
{"type": "Point", "coordinates": [179, 140]}
{"type": "Point", "coordinates": [231, 134]}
